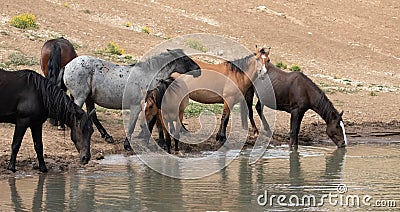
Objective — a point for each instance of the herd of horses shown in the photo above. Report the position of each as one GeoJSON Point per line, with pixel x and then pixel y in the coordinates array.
{"type": "Point", "coordinates": [162, 81]}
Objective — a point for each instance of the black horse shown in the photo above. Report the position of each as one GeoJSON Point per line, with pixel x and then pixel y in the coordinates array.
{"type": "Point", "coordinates": [295, 93]}
{"type": "Point", "coordinates": [28, 99]}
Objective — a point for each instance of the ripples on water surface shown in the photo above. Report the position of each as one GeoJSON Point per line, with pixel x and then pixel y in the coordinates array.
{"type": "Point", "coordinates": [125, 183]}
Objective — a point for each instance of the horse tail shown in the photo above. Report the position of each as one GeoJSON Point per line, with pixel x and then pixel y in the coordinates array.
{"type": "Point", "coordinates": [54, 65]}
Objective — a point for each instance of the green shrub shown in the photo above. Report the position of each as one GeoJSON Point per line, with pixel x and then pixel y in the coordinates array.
{"type": "Point", "coordinates": [87, 11]}
{"type": "Point", "coordinates": [195, 44]}
{"type": "Point", "coordinates": [114, 49]}
{"type": "Point", "coordinates": [146, 30]}
{"type": "Point", "coordinates": [67, 5]}
{"type": "Point", "coordinates": [295, 67]}
{"type": "Point", "coordinates": [194, 109]}
{"type": "Point", "coordinates": [129, 24]}
{"type": "Point", "coordinates": [281, 65]}
{"type": "Point", "coordinates": [24, 21]}
{"type": "Point", "coordinates": [18, 59]}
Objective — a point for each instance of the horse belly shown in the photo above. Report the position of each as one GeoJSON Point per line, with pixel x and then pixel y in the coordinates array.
{"type": "Point", "coordinates": [108, 91]}
{"type": "Point", "coordinates": [206, 97]}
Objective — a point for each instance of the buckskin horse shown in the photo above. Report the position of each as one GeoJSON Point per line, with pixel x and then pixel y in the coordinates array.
{"type": "Point", "coordinates": [219, 83]}
{"type": "Point", "coordinates": [28, 100]}
{"type": "Point", "coordinates": [94, 81]}
{"type": "Point", "coordinates": [295, 93]}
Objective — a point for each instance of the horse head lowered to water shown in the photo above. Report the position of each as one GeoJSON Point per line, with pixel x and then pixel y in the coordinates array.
{"type": "Point", "coordinates": [28, 100]}
{"type": "Point", "coordinates": [295, 93]}
{"type": "Point", "coordinates": [94, 81]}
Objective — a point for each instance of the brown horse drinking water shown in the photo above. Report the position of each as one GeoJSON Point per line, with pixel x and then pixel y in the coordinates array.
{"type": "Point", "coordinates": [27, 100]}
{"type": "Point", "coordinates": [55, 54]}
{"type": "Point", "coordinates": [295, 93]}
{"type": "Point", "coordinates": [164, 118]}
{"type": "Point", "coordinates": [219, 83]}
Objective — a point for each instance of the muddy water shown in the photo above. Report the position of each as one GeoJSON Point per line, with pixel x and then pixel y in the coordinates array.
{"type": "Point", "coordinates": [362, 177]}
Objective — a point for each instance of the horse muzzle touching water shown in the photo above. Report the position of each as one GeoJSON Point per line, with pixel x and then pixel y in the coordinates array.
{"type": "Point", "coordinates": [81, 132]}
{"type": "Point", "coordinates": [335, 130]}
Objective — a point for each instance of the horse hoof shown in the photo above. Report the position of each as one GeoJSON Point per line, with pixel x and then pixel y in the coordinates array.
{"type": "Point", "coordinates": [109, 139]}
{"type": "Point", "coordinates": [128, 147]}
{"type": "Point", "coordinates": [61, 128]}
{"type": "Point", "coordinates": [11, 169]}
{"type": "Point", "coordinates": [178, 153]}
{"type": "Point", "coordinates": [43, 169]}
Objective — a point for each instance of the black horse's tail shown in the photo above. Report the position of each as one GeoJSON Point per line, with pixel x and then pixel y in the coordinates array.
{"type": "Point", "coordinates": [54, 66]}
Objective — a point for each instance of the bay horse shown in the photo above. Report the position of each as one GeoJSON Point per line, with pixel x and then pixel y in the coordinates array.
{"type": "Point", "coordinates": [295, 93]}
{"type": "Point", "coordinates": [28, 100]}
{"type": "Point", "coordinates": [94, 81]}
{"type": "Point", "coordinates": [219, 83]}
{"type": "Point", "coordinates": [163, 120]}
{"type": "Point", "coordinates": [54, 55]}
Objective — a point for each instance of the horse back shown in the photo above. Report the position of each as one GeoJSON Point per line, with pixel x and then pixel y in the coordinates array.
{"type": "Point", "coordinates": [21, 97]}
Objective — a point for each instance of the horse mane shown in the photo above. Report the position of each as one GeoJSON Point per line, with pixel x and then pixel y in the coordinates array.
{"type": "Point", "coordinates": [158, 62]}
{"type": "Point", "coordinates": [324, 106]}
{"type": "Point", "coordinates": [239, 65]}
{"type": "Point", "coordinates": [57, 104]}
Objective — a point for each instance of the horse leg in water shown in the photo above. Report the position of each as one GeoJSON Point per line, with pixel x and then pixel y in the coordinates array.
{"type": "Point", "coordinates": [259, 109]}
{"type": "Point", "coordinates": [221, 135]}
{"type": "Point", "coordinates": [134, 114]}
{"type": "Point", "coordinates": [38, 144]}
{"type": "Point", "coordinates": [99, 126]}
{"type": "Point", "coordinates": [19, 132]}
{"type": "Point", "coordinates": [167, 139]}
{"type": "Point", "coordinates": [249, 101]}
{"type": "Point", "coordinates": [177, 135]}
{"type": "Point", "coordinates": [296, 116]}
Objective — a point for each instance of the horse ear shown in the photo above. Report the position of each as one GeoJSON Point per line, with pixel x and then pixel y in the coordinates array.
{"type": "Point", "coordinates": [267, 52]}
{"type": "Point", "coordinates": [341, 113]}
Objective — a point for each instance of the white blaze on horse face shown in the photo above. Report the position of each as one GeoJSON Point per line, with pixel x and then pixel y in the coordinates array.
{"type": "Point", "coordinates": [263, 70]}
{"type": "Point", "coordinates": [344, 132]}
